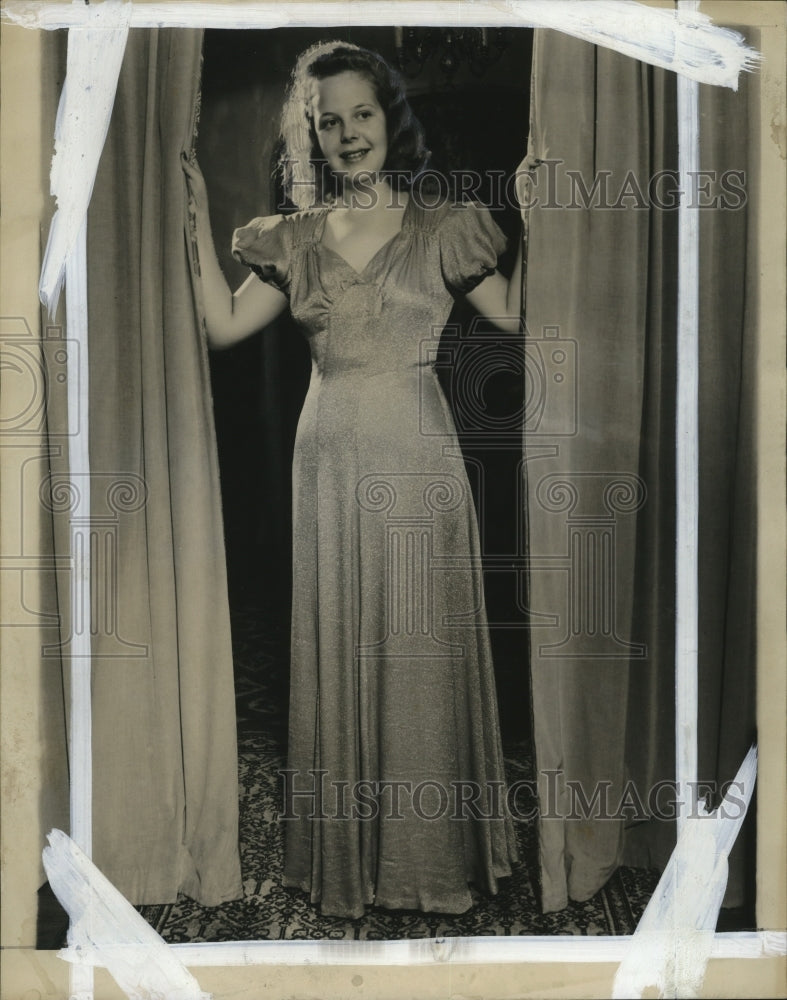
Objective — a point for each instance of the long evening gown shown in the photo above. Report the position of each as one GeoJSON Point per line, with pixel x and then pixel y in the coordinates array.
{"type": "Point", "coordinates": [391, 670]}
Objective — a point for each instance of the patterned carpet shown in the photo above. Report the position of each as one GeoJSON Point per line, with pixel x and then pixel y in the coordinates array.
{"type": "Point", "coordinates": [270, 912]}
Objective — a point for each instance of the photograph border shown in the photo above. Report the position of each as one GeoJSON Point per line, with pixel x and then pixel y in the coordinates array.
{"type": "Point", "coordinates": [766, 944]}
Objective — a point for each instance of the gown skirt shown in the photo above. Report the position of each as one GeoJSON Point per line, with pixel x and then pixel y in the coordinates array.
{"type": "Point", "coordinates": [394, 787]}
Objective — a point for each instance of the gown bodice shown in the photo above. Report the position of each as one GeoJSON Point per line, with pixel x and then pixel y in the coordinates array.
{"type": "Point", "coordinates": [388, 316]}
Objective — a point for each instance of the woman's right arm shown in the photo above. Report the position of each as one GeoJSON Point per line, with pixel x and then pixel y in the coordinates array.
{"type": "Point", "coordinates": [229, 317]}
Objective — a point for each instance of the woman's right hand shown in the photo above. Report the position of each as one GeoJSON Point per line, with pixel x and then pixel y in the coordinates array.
{"type": "Point", "coordinates": [198, 191]}
{"type": "Point", "coordinates": [228, 318]}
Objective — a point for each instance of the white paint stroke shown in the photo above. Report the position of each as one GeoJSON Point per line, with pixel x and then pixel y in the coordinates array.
{"type": "Point", "coordinates": [687, 440]}
{"type": "Point", "coordinates": [106, 929]}
{"type": "Point", "coordinates": [95, 54]}
{"type": "Point", "coordinates": [674, 939]}
{"type": "Point", "coordinates": [692, 46]}
{"type": "Point", "coordinates": [80, 730]}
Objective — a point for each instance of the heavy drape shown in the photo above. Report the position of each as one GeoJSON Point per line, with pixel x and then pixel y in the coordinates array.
{"type": "Point", "coordinates": [165, 762]}
{"type": "Point", "coordinates": [600, 455]}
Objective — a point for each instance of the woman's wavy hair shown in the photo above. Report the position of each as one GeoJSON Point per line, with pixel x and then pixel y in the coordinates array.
{"type": "Point", "coordinates": [304, 170]}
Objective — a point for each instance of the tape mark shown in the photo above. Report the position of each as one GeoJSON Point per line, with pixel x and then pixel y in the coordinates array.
{"type": "Point", "coordinates": [675, 937]}
{"type": "Point", "coordinates": [691, 45]}
{"type": "Point", "coordinates": [95, 54]}
{"type": "Point", "coordinates": [106, 930]}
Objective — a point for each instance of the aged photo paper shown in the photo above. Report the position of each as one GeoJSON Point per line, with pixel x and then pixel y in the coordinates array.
{"type": "Point", "coordinates": [54, 522]}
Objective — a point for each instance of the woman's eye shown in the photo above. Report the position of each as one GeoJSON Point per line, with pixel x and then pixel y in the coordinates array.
{"type": "Point", "coordinates": [328, 122]}
{"type": "Point", "coordinates": [364, 114]}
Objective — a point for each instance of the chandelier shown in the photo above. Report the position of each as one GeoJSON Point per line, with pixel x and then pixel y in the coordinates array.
{"type": "Point", "coordinates": [451, 48]}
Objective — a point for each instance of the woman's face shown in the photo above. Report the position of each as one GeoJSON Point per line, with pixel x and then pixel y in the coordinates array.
{"type": "Point", "coordinates": [350, 125]}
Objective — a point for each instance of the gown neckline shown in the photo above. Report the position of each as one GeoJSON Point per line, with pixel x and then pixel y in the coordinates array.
{"type": "Point", "coordinates": [385, 246]}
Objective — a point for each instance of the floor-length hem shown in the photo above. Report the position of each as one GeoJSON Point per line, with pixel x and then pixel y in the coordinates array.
{"type": "Point", "coordinates": [453, 905]}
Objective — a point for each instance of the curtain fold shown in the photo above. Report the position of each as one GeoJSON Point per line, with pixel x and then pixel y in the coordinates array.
{"type": "Point", "coordinates": [602, 304]}
{"type": "Point", "coordinates": [165, 788]}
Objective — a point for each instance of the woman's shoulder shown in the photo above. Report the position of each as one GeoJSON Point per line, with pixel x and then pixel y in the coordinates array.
{"type": "Point", "coordinates": [257, 226]}
{"type": "Point", "coordinates": [287, 220]}
{"type": "Point", "coordinates": [437, 213]}
{"type": "Point", "coordinates": [469, 242]}
{"type": "Point", "coordinates": [301, 226]}
{"type": "Point", "coordinates": [260, 237]}
{"type": "Point", "coordinates": [282, 231]}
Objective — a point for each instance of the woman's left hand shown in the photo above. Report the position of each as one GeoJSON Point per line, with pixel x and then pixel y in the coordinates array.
{"type": "Point", "coordinates": [523, 185]}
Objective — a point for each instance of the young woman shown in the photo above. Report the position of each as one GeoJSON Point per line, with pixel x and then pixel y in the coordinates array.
{"type": "Point", "coordinates": [394, 791]}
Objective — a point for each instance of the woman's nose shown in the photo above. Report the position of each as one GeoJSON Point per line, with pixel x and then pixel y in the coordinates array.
{"type": "Point", "coordinates": [349, 133]}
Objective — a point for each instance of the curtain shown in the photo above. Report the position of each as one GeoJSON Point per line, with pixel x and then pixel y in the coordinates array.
{"type": "Point", "coordinates": [600, 455]}
{"type": "Point", "coordinates": [165, 787]}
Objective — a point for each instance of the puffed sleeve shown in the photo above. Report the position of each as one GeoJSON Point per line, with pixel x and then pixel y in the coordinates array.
{"type": "Point", "coordinates": [265, 246]}
{"type": "Point", "coordinates": [470, 243]}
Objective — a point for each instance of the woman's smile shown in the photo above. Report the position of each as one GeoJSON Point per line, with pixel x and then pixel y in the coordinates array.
{"type": "Point", "coordinates": [355, 155]}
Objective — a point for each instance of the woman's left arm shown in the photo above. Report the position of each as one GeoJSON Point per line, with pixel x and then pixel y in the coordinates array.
{"type": "Point", "coordinates": [500, 299]}
{"type": "Point", "coordinates": [495, 298]}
